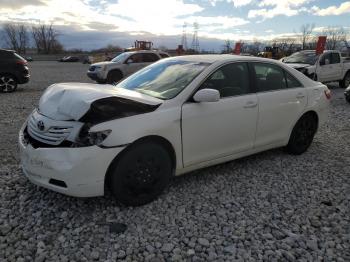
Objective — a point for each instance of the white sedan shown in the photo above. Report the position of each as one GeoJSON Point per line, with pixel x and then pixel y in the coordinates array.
{"type": "Point", "coordinates": [172, 117]}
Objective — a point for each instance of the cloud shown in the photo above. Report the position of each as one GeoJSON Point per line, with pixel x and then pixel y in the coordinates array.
{"type": "Point", "coordinates": [272, 8]}
{"type": "Point", "coordinates": [15, 4]}
{"type": "Point", "coordinates": [132, 16]}
{"type": "Point", "coordinates": [239, 3]}
{"type": "Point", "coordinates": [332, 10]}
{"type": "Point", "coordinates": [236, 3]}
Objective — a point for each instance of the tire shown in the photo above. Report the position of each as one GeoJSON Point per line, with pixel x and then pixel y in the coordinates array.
{"type": "Point", "coordinates": [302, 134]}
{"type": "Point", "coordinates": [346, 81]}
{"type": "Point", "coordinates": [313, 77]}
{"type": "Point", "coordinates": [347, 99]}
{"type": "Point", "coordinates": [141, 174]}
{"type": "Point", "coordinates": [100, 82]}
{"type": "Point", "coordinates": [8, 83]}
{"type": "Point", "coordinates": [114, 77]}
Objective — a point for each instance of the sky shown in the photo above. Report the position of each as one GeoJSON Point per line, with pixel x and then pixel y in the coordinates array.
{"type": "Point", "coordinates": [89, 24]}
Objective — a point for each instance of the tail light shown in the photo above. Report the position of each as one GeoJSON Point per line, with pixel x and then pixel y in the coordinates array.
{"type": "Point", "coordinates": [21, 62]}
{"type": "Point", "coordinates": [328, 94]}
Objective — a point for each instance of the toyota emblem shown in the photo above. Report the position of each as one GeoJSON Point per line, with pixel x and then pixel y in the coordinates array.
{"type": "Point", "coordinates": [40, 125]}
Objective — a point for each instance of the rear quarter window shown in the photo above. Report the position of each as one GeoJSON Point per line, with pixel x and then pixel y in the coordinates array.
{"type": "Point", "coordinates": [292, 82]}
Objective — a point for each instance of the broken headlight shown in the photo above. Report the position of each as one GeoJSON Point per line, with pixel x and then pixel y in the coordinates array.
{"type": "Point", "coordinates": [93, 138]}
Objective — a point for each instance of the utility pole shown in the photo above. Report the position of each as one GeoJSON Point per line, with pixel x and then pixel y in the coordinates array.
{"type": "Point", "coordinates": [195, 42]}
{"type": "Point", "coordinates": [184, 37]}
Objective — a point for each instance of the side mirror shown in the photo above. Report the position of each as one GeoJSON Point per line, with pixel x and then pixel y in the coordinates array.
{"type": "Point", "coordinates": [207, 95]}
{"type": "Point", "coordinates": [129, 61]}
{"type": "Point", "coordinates": [326, 61]}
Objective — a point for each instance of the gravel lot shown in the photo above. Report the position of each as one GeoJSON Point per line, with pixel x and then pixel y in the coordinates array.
{"type": "Point", "coordinates": [267, 207]}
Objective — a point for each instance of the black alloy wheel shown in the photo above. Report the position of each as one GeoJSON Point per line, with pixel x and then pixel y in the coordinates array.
{"type": "Point", "coordinates": [8, 83]}
{"type": "Point", "coordinates": [302, 135]}
{"type": "Point", "coordinates": [141, 174]}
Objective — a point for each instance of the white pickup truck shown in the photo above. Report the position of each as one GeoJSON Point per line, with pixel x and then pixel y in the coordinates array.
{"type": "Point", "coordinates": [330, 66]}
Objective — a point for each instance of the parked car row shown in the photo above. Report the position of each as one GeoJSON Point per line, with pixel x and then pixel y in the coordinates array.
{"type": "Point", "coordinates": [69, 59]}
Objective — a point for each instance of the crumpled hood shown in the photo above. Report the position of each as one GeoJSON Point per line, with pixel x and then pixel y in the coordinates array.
{"type": "Point", "coordinates": [297, 65]}
{"type": "Point", "coordinates": [70, 101]}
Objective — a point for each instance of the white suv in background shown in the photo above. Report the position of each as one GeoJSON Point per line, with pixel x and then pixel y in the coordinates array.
{"type": "Point", "coordinates": [123, 65]}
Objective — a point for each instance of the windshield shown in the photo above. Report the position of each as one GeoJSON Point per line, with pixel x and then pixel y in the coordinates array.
{"type": "Point", "coordinates": [120, 58]}
{"type": "Point", "coordinates": [302, 58]}
{"type": "Point", "coordinates": [164, 79]}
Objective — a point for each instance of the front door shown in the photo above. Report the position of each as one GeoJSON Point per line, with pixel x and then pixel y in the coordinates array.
{"type": "Point", "coordinates": [134, 63]}
{"type": "Point", "coordinates": [217, 129]}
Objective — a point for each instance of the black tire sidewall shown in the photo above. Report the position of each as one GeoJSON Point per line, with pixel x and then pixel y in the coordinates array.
{"type": "Point", "coordinates": [293, 147]}
{"type": "Point", "coordinates": [114, 76]}
{"type": "Point", "coordinates": [342, 82]}
{"type": "Point", "coordinates": [128, 158]}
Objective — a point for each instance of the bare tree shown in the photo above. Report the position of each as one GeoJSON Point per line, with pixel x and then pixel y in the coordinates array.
{"type": "Point", "coordinates": [336, 36]}
{"type": "Point", "coordinates": [306, 32]}
{"type": "Point", "coordinates": [286, 44]}
{"type": "Point", "coordinates": [23, 38]}
{"type": "Point", "coordinates": [16, 37]}
{"type": "Point", "coordinates": [226, 48]}
{"type": "Point", "coordinates": [46, 39]}
{"type": "Point", "coordinates": [255, 47]}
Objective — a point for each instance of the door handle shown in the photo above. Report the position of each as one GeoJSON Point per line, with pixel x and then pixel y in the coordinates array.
{"type": "Point", "coordinates": [300, 95]}
{"type": "Point", "coordinates": [250, 104]}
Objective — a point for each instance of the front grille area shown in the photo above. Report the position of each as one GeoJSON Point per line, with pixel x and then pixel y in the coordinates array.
{"type": "Point", "coordinates": [53, 135]}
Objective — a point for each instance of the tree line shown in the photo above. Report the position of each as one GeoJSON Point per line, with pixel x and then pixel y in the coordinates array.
{"type": "Point", "coordinates": [20, 37]}
{"type": "Point", "coordinates": [305, 39]}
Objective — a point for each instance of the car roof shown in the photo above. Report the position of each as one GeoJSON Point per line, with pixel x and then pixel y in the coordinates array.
{"type": "Point", "coordinates": [6, 50]}
{"type": "Point", "coordinates": [145, 51]}
{"type": "Point", "coordinates": [221, 58]}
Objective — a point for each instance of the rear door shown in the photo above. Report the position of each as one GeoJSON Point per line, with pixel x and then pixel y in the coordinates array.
{"type": "Point", "coordinates": [281, 100]}
{"type": "Point", "coordinates": [218, 129]}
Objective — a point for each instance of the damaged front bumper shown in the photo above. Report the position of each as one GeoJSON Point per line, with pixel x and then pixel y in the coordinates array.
{"type": "Point", "coordinates": [76, 172]}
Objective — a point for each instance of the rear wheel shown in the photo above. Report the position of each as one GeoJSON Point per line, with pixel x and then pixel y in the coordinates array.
{"type": "Point", "coordinates": [141, 174]}
{"type": "Point", "coordinates": [347, 98]}
{"type": "Point", "coordinates": [8, 83]}
{"type": "Point", "coordinates": [114, 77]}
{"type": "Point", "coordinates": [346, 81]}
{"type": "Point", "coordinates": [302, 135]}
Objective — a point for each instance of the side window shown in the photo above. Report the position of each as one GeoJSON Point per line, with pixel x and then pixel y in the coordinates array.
{"type": "Point", "coordinates": [163, 55]}
{"type": "Point", "coordinates": [136, 58]}
{"type": "Point", "coordinates": [335, 58]}
{"type": "Point", "coordinates": [324, 58]}
{"type": "Point", "coordinates": [292, 82]}
{"type": "Point", "coordinates": [229, 80]}
{"type": "Point", "coordinates": [149, 57]}
{"type": "Point", "coordinates": [269, 77]}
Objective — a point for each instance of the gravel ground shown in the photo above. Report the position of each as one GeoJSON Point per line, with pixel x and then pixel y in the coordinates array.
{"type": "Point", "coordinates": [267, 207]}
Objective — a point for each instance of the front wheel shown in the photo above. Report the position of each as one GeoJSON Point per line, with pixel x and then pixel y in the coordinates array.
{"type": "Point", "coordinates": [302, 134]}
{"type": "Point", "coordinates": [114, 77]}
{"type": "Point", "coordinates": [8, 83]}
{"type": "Point", "coordinates": [141, 174]}
{"type": "Point", "coordinates": [346, 81]}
